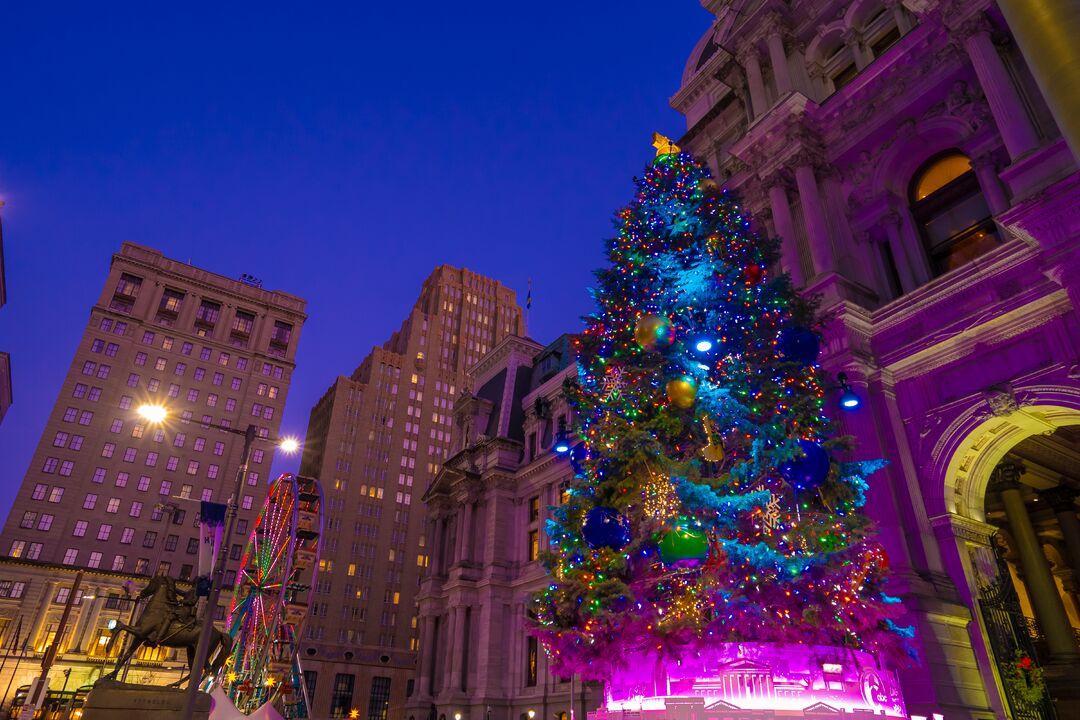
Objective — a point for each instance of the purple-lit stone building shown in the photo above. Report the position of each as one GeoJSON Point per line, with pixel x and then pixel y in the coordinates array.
{"type": "Point", "coordinates": [904, 156]}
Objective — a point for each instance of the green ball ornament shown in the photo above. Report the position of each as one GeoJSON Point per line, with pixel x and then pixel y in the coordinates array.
{"type": "Point", "coordinates": [684, 546]}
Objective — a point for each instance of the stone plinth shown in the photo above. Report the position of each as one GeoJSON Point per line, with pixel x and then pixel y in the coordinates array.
{"type": "Point", "coordinates": [111, 699]}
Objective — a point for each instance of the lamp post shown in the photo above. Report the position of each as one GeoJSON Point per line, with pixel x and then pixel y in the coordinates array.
{"type": "Point", "coordinates": [157, 414]}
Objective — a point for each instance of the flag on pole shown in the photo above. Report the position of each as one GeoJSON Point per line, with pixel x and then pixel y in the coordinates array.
{"type": "Point", "coordinates": [528, 297]}
{"type": "Point", "coordinates": [211, 530]}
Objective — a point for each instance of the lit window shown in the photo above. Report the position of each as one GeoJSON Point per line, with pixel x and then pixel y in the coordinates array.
{"type": "Point", "coordinates": [951, 213]}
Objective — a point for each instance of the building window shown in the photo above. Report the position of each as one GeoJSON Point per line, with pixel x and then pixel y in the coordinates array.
{"type": "Point", "coordinates": [118, 563]}
{"type": "Point", "coordinates": [70, 556]}
{"type": "Point", "coordinates": [80, 528]}
{"type": "Point", "coordinates": [149, 539]}
{"type": "Point", "coordinates": [95, 560]}
{"type": "Point", "coordinates": [40, 489]}
{"type": "Point", "coordinates": [89, 501]}
{"type": "Point", "coordinates": [341, 700]}
{"type": "Point", "coordinates": [56, 494]}
{"type": "Point", "coordinates": [113, 506]}
{"type": "Point", "coordinates": [171, 302]}
{"type": "Point", "coordinates": [532, 656]}
{"type": "Point", "coordinates": [12, 589]}
{"type": "Point", "coordinates": [104, 530]}
{"type": "Point", "coordinates": [128, 287]}
{"type": "Point", "coordinates": [950, 212]}
{"type": "Point", "coordinates": [16, 549]}
{"type": "Point", "coordinates": [206, 318]}
{"type": "Point", "coordinates": [45, 522]}
{"type": "Point", "coordinates": [33, 551]}
{"type": "Point", "coordinates": [192, 546]}
{"type": "Point", "coordinates": [29, 518]}
{"type": "Point", "coordinates": [534, 545]}
{"type": "Point", "coordinates": [380, 698]}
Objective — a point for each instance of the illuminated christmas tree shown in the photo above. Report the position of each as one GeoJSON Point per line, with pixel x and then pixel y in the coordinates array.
{"type": "Point", "coordinates": [707, 506]}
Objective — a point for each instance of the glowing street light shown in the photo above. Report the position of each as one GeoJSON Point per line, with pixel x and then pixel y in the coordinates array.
{"type": "Point", "coordinates": [289, 445]}
{"type": "Point", "coordinates": [532, 714]}
{"type": "Point", "coordinates": [155, 414]}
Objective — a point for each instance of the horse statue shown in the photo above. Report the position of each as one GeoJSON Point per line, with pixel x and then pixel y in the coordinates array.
{"type": "Point", "coordinates": [169, 620]}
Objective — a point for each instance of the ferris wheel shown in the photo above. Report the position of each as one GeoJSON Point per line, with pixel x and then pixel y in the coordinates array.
{"type": "Point", "coordinates": [267, 611]}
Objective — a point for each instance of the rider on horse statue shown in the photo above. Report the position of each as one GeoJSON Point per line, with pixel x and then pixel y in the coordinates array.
{"type": "Point", "coordinates": [178, 613]}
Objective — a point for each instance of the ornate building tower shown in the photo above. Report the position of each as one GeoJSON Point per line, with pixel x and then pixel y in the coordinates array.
{"type": "Point", "coordinates": [376, 439]}
{"type": "Point", "coordinates": [486, 514]}
{"type": "Point", "coordinates": [911, 168]}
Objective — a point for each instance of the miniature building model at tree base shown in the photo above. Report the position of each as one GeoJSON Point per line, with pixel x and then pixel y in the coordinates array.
{"type": "Point", "coordinates": [790, 680]}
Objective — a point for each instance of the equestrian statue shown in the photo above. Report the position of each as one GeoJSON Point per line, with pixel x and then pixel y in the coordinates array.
{"type": "Point", "coordinates": [169, 620]}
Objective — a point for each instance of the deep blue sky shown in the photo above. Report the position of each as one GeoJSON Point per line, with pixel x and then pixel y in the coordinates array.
{"type": "Point", "coordinates": [338, 151]}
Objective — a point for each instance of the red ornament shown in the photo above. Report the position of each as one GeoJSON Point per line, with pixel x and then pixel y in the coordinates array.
{"type": "Point", "coordinates": [245, 687]}
{"type": "Point", "coordinates": [286, 689]}
{"type": "Point", "coordinates": [753, 273]}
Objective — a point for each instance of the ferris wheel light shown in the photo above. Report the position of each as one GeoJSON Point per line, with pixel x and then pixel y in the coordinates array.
{"type": "Point", "coordinates": [270, 682]}
{"type": "Point", "coordinates": [289, 445]}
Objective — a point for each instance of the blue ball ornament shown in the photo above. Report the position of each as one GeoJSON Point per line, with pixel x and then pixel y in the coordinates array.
{"type": "Point", "coordinates": [606, 527]}
{"type": "Point", "coordinates": [809, 471]}
{"type": "Point", "coordinates": [797, 344]}
{"type": "Point", "coordinates": [577, 455]}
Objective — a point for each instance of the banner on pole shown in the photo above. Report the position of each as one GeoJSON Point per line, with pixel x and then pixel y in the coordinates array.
{"type": "Point", "coordinates": [211, 530]}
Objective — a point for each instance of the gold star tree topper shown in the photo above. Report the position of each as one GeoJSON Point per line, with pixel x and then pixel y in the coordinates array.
{"type": "Point", "coordinates": [663, 145]}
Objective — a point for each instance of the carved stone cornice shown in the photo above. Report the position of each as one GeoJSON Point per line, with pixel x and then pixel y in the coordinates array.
{"type": "Point", "coordinates": [1061, 498]}
{"type": "Point", "coordinates": [1006, 476]}
{"type": "Point", "coordinates": [970, 26]}
{"type": "Point", "coordinates": [778, 176]}
{"type": "Point", "coordinates": [964, 528]}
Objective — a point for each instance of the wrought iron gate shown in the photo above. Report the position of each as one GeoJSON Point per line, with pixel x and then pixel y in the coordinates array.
{"type": "Point", "coordinates": [1009, 632]}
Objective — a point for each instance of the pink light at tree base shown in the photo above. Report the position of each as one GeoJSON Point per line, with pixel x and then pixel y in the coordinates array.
{"type": "Point", "coordinates": [796, 681]}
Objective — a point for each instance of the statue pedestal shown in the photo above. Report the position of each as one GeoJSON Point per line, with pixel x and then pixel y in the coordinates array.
{"type": "Point", "coordinates": [111, 699]}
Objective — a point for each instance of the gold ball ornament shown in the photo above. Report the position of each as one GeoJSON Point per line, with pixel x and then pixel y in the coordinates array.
{"type": "Point", "coordinates": [653, 331]}
{"type": "Point", "coordinates": [708, 186]}
{"type": "Point", "coordinates": [682, 393]}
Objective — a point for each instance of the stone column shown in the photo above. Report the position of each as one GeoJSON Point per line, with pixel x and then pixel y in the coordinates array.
{"type": "Point", "coordinates": [460, 532]}
{"type": "Point", "coordinates": [451, 679]}
{"type": "Point", "coordinates": [778, 60]}
{"type": "Point", "coordinates": [1062, 500]}
{"type": "Point", "coordinates": [992, 189]}
{"type": "Point", "coordinates": [1008, 110]}
{"type": "Point", "coordinates": [1046, 32]}
{"type": "Point", "coordinates": [456, 657]}
{"type": "Point", "coordinates": [900, 15]}
{"type": "Point", "coordinates": [88, 622]}
{"type": "Point", "coordinates": [751, 63]}
{"type": "Point", "coordinates": [785, 227]}
{"type": "Point", "coordinates": [817, 229]}
{"type": "Point", "coordinates": [42, 612]}
{"type": "Point", "coordinates": [1042, 589]}
{"type": "Point", "coordinates": [426, 658]}
{"type": "Point", "coordinates": [906, 267]}
{"type": "Point", "coordinates": [467, 531]}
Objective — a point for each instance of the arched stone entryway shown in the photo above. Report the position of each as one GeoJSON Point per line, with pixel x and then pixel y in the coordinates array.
{"type": "Point", "coordinates": [990, 544]}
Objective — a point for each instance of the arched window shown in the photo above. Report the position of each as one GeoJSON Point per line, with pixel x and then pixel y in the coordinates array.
{"type": "Point", "coordinates": [950, 211]}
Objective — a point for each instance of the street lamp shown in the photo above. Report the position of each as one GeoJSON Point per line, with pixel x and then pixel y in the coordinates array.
{"type": "Point", "coordinates": [157, 414]}
{"type": "Point", "coordinates": [532, 714]}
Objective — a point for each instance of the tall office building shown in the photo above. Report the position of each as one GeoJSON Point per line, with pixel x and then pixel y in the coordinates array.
{"type": "Point", "coordinates": [105, 489]}
{"type": "Point", "coordinates": [376, 439]}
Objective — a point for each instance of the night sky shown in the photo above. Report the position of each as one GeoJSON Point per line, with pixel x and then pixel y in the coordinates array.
{"type": "Point", "coordinates": [337, 151]}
